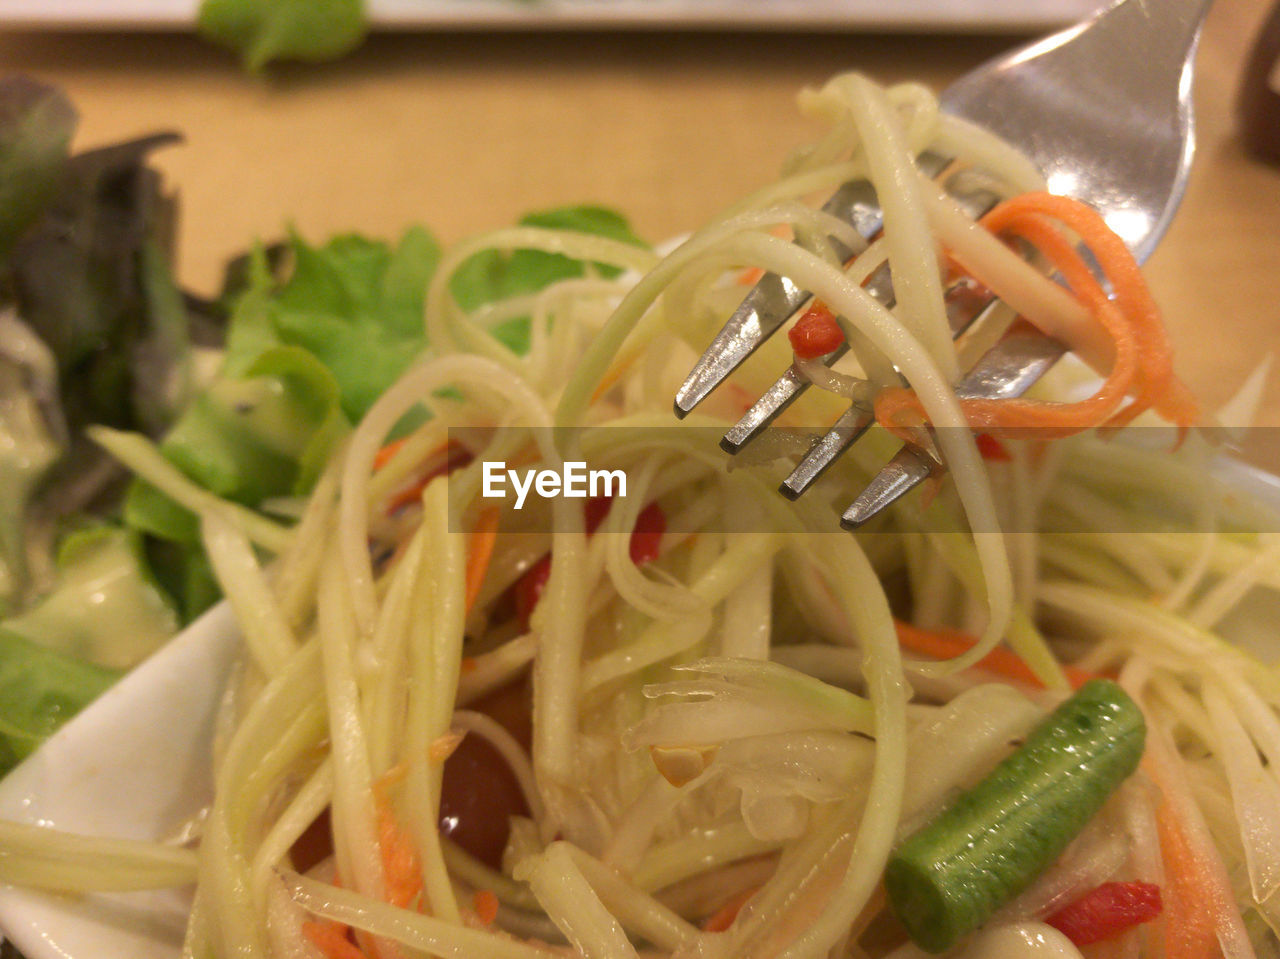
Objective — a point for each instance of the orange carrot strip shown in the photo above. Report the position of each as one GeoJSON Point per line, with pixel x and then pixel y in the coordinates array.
{"type": "Point", "coordinates": [1137, 311]}
{"type": "Point", "coordinates": [1056, 419]}
{"type": "Point", "coordinates": [722, 918]}
{"type": "Point", "coordinates": [384, 455]}
{"type": "Point", "coordinates": [479, 552]}
{"type": "Point", "coordinates": [612, 375]}
{"type": "Point", "coordinates": [401, 865]}
{"type": "Point", "coordinates": [454, 456]}
{"type": "Point", "coordinates": [1125, 276]}
{"type": "Point", "coordinates": [1142, 367]}
{"type": "Point", "coordinates": [949, 643]}
{"type": "Point", "coordinates": [1201, 919]}
{"type": "Point", "coordinates": [331, 939]}
{"type": "Point", "coordinates": [1189, 924]}
{"type": "Point", "coordinates": [485, 904]}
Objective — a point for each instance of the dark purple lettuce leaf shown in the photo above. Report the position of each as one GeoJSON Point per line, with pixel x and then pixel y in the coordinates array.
{"type": "Point", "coordinates": [36, 124]}
{"type": "Point", "coordinates": [78, 275]}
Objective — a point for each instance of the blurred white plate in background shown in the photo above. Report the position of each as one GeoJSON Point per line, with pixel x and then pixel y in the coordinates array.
{"type": "Point", "coordinates": [999, 16]}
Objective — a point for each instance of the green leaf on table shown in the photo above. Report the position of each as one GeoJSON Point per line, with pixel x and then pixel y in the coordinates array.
{"type": "Point", "coordinates": [265, 30]}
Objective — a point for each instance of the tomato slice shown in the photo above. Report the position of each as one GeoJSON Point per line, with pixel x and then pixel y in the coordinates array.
{"type": "Point", "coordinates": [479, 793]}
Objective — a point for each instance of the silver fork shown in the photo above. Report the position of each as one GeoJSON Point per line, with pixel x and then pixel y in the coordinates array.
{"type": "Point", "coordinates": [1104, 109]}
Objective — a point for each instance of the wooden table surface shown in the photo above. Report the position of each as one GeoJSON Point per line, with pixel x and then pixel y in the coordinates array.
{"type": "Point", "coordinates": [465, 132]}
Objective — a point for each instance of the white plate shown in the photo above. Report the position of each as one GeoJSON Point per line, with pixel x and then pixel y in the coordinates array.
{"type": "Point", "coordinates": [943, 15]}
{"type": "Point", "coordinates": [85, 779]}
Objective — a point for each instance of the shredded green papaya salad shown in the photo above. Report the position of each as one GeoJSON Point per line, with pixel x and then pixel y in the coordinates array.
{"type": "Point", "coordinates": [531, 668]}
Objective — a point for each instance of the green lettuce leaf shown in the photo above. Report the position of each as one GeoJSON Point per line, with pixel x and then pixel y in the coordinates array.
{"type": "Point", "coordinates": [493, 275]}
{"type": "Point", "coordinates": [186, 575]}
{"type": "Point", "coordinates": [40, 689]}
{"type": "Point", "coordinates": [28, 450]}
{"type": "Point", "coordinates": [90, 277]}
{"type": "Point", "coordinates": [312, 342]}
{"type": "Point", "coordinates": [36, 124]}
{"type": "Point", "coordinates": [262, 434]}
{"type": "Point", "coordinates": [105, 608]}
{"type": "Point", "coordinates": [354, 303]}
{"type": "Point", "coordinates": [305, 356]}
{"type": "Point", "coordinates": [85, 285]}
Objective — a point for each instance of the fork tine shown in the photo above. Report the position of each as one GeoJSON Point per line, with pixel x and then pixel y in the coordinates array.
{"type": "Point", "coordinates": [784, 391]}
{"type": "Point", "coordinates": [1008, 369]}
{"type": "Point", "coordinates": [769, 304]}
{"type": "Point", "coordinates": [852, 423]}
{"type": "Point", "coordinates": [966, 307]}
{"type": "Point", "coordinates": [1005, 371]}
{"type": "Point", "coordinates": [774, 299]}
{"type": "Point", "coordinates": [909, 468]}
{"type": "Point", "coordinates": [965, 304]}
{"type": "Point", "coordinates": [765, 309]}
{"type": "Point", "coordinates": [1013, 365]}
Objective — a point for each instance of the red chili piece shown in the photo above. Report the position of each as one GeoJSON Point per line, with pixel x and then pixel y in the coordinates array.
{"type": "Point", "coordinates": [816, 333]}
{"type": "Point", "coordinates": [646, 538]}
{"type": "Point", "coordinates": [646, 541]}
{"type": "Point", "coordinates": [991, 448]}
{"type": "Point", "coordinates": [1107, 911]}
{"type": "Point", "coordinates": [595, 511]}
